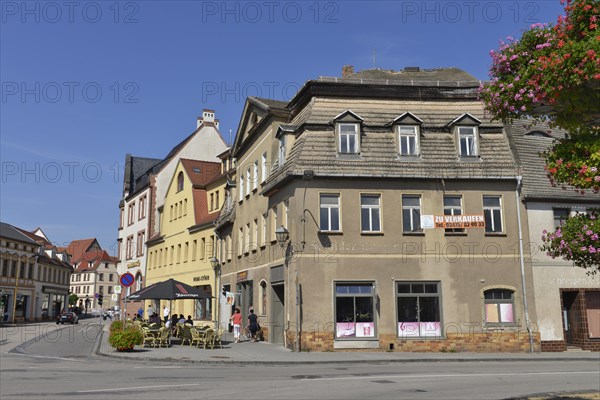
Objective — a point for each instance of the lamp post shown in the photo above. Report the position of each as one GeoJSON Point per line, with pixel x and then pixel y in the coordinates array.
{"type": "Point", "coordinates": [216, 266]}
{"type": "Point", "coordinates": [87, 304]}
{"type": "Point", "coordinates": [283, 236]}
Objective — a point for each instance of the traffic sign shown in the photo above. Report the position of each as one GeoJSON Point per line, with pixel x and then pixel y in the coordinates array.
{"type": "Point", "coordinates": [126, 279]}
{"type": "Point", "coordinates": [118, 289]}
{"type": "Point", "coordinates": [114, 297]}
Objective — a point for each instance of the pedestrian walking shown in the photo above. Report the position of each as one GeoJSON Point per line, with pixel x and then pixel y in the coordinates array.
{"type": "Point", "coordinates": [253, 325]}
{"type": "Point", "coordinates": [236, 318]}
{"type": "Point", "coordinates": [141, 312]}
{"type": "Point", "coordinates": [166, 312]}
{"type": "Point", "coordinates": [150, 311]}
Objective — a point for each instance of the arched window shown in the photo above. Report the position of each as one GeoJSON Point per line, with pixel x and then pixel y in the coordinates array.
{"type": "Point", "coordinates": [499, 306]}
{"type": "Point", "coordinates": [180, 181]}
{"type": "Point", "coordinates": [138, 282]}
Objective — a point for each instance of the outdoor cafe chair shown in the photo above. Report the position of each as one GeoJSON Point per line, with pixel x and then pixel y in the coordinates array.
{"type": "Point", "coordinates": [163, 337]}
{"type": "Point", "coordinates": [186, 334]}
{"type": "Point", "coordinates": [196, 337]}
{"type": "Point", "coordinates": [149, 337]}
{"type": "Point", "coordinates": [216, 338]}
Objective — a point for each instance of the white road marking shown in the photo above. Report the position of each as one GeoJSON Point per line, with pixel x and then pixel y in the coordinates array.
{"type": "Point", "coordinates": [451, 375]}
{"type": "Point", "coordinates": [136, 388]}
{"type": "Point", "coordinates": [159, 367]}
{"type": "Point", "coordinates": [49, 357]}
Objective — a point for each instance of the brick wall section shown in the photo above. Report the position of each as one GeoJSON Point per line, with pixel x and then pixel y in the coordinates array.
{"type": "Point", "coordinates": [553, 346]}
{"type": "Point", "coordinates": [473, 342]}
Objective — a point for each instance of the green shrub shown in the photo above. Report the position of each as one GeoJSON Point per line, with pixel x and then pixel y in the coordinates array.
{"type": "Point", "coordinates": [125, 339]}
{"type": "Point", "coordinates": [116, 325]}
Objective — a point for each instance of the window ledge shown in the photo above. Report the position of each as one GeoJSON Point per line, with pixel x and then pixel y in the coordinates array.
{"type": "Point", "coordinates": [469, 158]}
{"type": "Point", "coordinates": [349, 156]}
{"type": "Point", "coordinates": [455, 234]}
{"type": "Point", "coordinates": [263, 246]}
{"type": "Point", "coordinates": [368, 233]}
{"type": "Point", "coordinates": [409, 157]}
{"type": "Point", "coordinates": [413, 233]}
{"type": "Point", "coordinates": [492, 234]}
{"type": "Point", "coordinates": [254, 190]}
{"type": "Point", "coordinates": [254, 250]}
{"type": "Point", "coordinates": [330, 232]}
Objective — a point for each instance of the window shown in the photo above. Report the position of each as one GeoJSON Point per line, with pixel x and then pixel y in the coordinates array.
{"type": "Point", "coordinates": [348, 138]}
{"type": "Point", "coordinates": [247, 239]}
{"type": "Point", "coordinates": [255, 176]}
{"type": "Point", "coordinates": [254, 235]}
{"type": "Point", "coordinates": [499, 306]}
{"type": "Point", "coordinates": [180, 181]}
{"type": "Point", "coordinates": [370, 212]}
{"type": "Point", "coordinates": [141, 240]}
{"type": "Point", "coordinates": [281, 155]}
{"type": "Point", "coordinates": [171, 213]}
{"type": "Point", "coordinates": [264, 167]}
{"type": "Point", "coordinates": [248, 182]}
{"type": "Point", "coordinates": [273, 223]}
{"type": "Point", "coordinates": [467, 139]}
{"type": "Point", "coordinates": [354, 310]}
{"type": "Point", "coordinates": [178, 253]}
{"type": "Point", "coordinates": [241, 186]}
{"type": "Point", "coordinates": [186, 251]}
{"type": "Point", "coordinates": [194, 249]}
{"type": "Point", "coordinates": [110, 277]}
{"type": "Point", "coordinates": [217, 200]}
{"type": "Point", "coordinates": [240, 241]}
{"type": "Point", "coordinates": [263, 227]}
{"type": "Point", "coordinates": [212, 201]}
{"type": "Point", "coordinates": [121, 213]}
{"type": "Point", "coordinates": [262, 307]}
{"type": "Point", "coordinates": [228, 249]}
{"type": "Point", "coordinates": [129, 248]}
{"type": "Point", "coordinates": [409, 140]}
{"type": "Point", "coordinates": [411, 213]}
{"type": "Point", "coordinates": [110, 289]}
{"type": "Point", "coordinates": [453, 206]}
{"type": "Point", "coordinates": [285, 213]}
{"type": "Point", "coordinates": [560, 214]}
{"type": "Point", "coordinates": [131, 214]}
{"type": "Point", "coordinates": [142, 208]}
{"type": "Point", "coordinates": [330, 212]}
{"type": "Point", "coordinates": [492, 213]}
{"type": "Point", "coordinates": [418, 309]}
{"type": "Point", "coordinates": [101, 277]}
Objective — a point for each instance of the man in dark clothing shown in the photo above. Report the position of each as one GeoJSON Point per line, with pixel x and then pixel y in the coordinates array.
{"type": "Point", "coordinates": [253, 325]}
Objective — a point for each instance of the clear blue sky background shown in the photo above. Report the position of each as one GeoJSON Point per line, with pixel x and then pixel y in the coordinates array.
{"type": "Point", "coordinates": [159, 63]}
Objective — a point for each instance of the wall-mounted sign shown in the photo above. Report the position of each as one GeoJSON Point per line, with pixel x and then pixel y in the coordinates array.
{"type": "Point", "coordinates": [242, 276]}
{"type": "Point", "coordinates": [117, 289]}
{"type": "Point", "coordinates": [453, 221]}
{"type": "Point", "coordinates": [133, 264]}
{"type": "Point", "coordinates": [114, 297]}
{"type": "Point", "coordinates": [201, 278]}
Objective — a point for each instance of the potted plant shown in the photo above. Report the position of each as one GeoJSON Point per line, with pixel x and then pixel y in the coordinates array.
{"type": "Point", "coordinates": [124, 339]}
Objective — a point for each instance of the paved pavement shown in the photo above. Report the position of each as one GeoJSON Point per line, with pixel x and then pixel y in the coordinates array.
{"type": "Point", "coordinates": [12, 337]}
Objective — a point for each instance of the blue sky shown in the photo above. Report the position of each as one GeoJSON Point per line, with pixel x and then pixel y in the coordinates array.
{"type": "Point", "coordinates": [84, 83]}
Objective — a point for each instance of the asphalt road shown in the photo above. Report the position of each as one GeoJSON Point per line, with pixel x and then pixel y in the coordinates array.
{"type": "Point", "coordinates": [63, 366]}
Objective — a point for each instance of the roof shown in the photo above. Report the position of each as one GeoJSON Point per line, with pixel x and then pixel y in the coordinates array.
{"type": "Point", "coordinates": [12, 232]}
{"type": "Point", "coordinates": [268, 104]}
{"type": "Point", "coordinates": [135, 167]}
{"type": "Point", "coordinates": [449, 74]}
{"type": "Point", "coordinates": [38, 239]}
{"type": "Point", "coordinates": [315, 145]}
{"type": "Point", "coordinates": [536, 184]}
{"type": "Point", "coordinates": [78, 247]}
{"type": "Point", "coordinates": [200, 172]}
{"type": "Point", "coordinates": [90, 261]}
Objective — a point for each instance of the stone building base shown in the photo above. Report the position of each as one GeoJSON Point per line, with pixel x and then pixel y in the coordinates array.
{"type": "Point", "coordinates": [473, 342]}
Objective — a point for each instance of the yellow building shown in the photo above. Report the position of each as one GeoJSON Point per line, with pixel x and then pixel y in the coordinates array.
{"type": "Point", "coordinates": [186, 240]}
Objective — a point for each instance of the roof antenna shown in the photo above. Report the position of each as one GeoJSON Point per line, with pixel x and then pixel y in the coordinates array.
{"type": "Point", "coordinates": [374, 58]}
{"type": "Point", "coordinates": [229, 137]}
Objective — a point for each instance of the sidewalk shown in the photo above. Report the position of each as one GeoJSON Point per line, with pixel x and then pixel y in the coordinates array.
{"type": "Point", "coordinates": [271, 354]}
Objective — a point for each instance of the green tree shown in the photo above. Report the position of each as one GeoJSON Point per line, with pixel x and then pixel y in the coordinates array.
{"type": "Point", "coordinates": [73, 299]}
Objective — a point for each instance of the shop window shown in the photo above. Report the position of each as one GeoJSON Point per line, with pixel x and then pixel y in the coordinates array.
{"type": "Point", "coordinates": [418, 309]}
{"type": "Point", "coordinates": [354, 310]}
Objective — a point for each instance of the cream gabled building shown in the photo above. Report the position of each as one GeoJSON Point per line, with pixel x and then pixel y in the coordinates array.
{"type": "Point", "coordinates": [185, 244]}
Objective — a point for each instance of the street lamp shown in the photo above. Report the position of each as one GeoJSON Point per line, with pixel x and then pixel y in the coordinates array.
{"type": "Point", "coordinates": [87, 304]}
{"type": "Point", "coordinates": [282, 235]}
{"type": "Point", "coordinates": [216, 266]}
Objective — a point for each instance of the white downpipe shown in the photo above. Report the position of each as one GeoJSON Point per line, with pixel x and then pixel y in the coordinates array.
{"type": "Point", "coordinates": [522, 262]}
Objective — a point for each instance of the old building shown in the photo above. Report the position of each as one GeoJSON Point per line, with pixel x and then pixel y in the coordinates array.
{"type": "Point", "coordinates": [379, 210]}
{"type": "Point", "coordinates": [95, 274]}
{"type": "Point", "coordinates": [567, 298]}
{"type": "Point", "coordinates": [34, 275]}
{"type": "Point", "coordinates": [144, 188]}
{"type": "Point", "coordinates": [185, 244]}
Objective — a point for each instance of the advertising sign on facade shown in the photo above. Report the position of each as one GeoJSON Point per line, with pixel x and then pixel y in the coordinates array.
{"type": "Point", "coordinates": [452, 221]}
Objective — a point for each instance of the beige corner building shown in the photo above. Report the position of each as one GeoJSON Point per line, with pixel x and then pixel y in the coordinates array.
{"type": "Point", "coordinates": [356, 176]}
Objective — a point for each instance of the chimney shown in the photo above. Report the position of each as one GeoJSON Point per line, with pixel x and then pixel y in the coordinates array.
{"type": "Point", "coordinates": [207, 116]}
{"type": "Point", "coordinates": [347, 70]}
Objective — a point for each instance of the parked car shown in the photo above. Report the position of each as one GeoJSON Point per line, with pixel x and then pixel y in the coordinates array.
{"type": "Point", "coordinates": [69, 317]}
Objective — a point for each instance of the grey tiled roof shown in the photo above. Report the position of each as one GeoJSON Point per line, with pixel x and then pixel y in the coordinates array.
{"type": "Point", "coordinates": [10, 232]}
{"type": "Point", "coordinates": [423, 75]}
{"type": "Point", "coordinates": [535, 181]}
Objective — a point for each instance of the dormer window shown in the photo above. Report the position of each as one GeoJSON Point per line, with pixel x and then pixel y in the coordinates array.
{"type": "Point", "coordinates": [467, 139]}
{"type": "Point", "coordinates": [409, 140]}
{"type": "Point", "coordinates": [180, 181]}
{"type": "Point", "coordinates": [348, 138]}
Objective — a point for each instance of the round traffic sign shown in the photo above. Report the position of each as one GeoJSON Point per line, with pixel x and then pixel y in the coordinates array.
{"type": "Point", "coordinates": [126, 279]}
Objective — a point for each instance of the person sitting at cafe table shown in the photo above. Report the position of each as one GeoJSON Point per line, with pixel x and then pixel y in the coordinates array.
{"type": "Point", "coordinates": [154, 319]}
{"type": "Point", "coordinates": [181, 319]}
{"type": "Point", "coordinates": [189, 320]}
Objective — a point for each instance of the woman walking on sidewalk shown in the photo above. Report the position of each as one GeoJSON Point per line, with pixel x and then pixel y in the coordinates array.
{"type": "Point", "coordinates": [236, 318]}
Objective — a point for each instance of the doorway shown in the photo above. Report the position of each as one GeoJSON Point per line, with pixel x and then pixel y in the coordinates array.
{"type": "Point", "coordinates": [571, 317]}
{"type": "Point", "coordinates": [277, 313]}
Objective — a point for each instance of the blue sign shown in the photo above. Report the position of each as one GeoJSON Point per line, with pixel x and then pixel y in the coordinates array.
{"type": "Point", "coordinates": [126, 279]}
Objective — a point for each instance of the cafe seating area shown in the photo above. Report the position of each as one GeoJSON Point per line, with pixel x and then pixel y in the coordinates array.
{"type": "Point", "coordinates": [157, 335]}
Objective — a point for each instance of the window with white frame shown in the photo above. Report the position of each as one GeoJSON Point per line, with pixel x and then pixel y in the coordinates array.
{"type": "Point", "coordinates": [255, 176]}
{"type": "Point", "coordinates": [273, 222]}
{"type": "Point", "coordinates": [467, 140]}
{"type": "Point", "coordinates": [348, 138]}
{"type": "Point", "coordinates": [499, 306]}
{"type": "Point", "coordinates": [263, 228]}
{"type": "Point", "coordinates": [329, 215]}
{"type": "Point", "coordinates": [254, 234]}
{"type": "Point", "coordinates": [411, 213]}
{"type": "Point", "coordinates": [453, 206]}
{"type": "Point", "coordinates": [418, 309]}
{"type": "Point", "coordinates": [492, 212]}
{"type": "Point", "coordinates": [240, 241]}
{"type": "Point", "coordinates": [354, 310]}
{"type": "Point", "coordinates": [264, 171]}
{"type": "Point", "coordinates": [408, 140]}
{"type": "Point", "coordinates": [247, 239]}
{"type": "Point", "coordinates": [370, 212]}
{"type": "Point", "coordinates": [285, 213]}
{"type": "Point", "coordinates": [241, 186]}
{"type": "Point", "coordinates": [248, 181]}
{"type": "Point", "coordinates": [281, 155]}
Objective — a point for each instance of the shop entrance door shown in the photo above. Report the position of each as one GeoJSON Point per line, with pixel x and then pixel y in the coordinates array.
{"type": "Point", "coordinates": [277, 313]}
{"type": "Point", "coordinates": [571, 317]}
